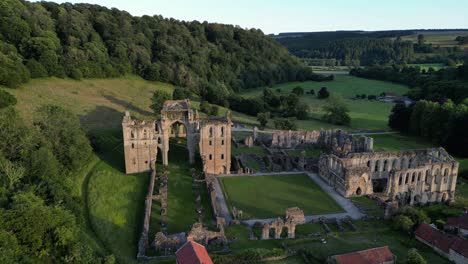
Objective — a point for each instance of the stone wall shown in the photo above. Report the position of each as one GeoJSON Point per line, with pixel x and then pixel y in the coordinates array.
{"type": "Point", "coordinates": [215, 145]}
{"type": "Point", "coordinates": [409, 177]}
{"type": "Point", "coordinates": [143, 242]}
{"type": "Point", "coordinates": [338, 142]}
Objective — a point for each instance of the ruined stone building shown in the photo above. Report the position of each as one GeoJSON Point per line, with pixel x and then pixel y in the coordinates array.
{"type": "Point", "coordinates": [144, 140]}
{"type": "Point", "coordinates": [407, 177]}
{"type": "Point", "coordinates": [352, 167]}
{"type": "Point", "coordinates": [335, 141]}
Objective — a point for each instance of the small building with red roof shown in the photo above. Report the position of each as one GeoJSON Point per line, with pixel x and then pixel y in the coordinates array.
{"type": "Point", "coordinates": [458, 225]}
{"type": "Point", "coordinates": [192, 253]}
{"type": "Point", "coordinates": [452, 247]}
{"type": "Point", "coordinates": [379, 255]}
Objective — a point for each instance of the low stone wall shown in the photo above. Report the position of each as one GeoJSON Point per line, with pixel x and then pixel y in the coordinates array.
{"type": "Point", "coordinates": [143, 242]}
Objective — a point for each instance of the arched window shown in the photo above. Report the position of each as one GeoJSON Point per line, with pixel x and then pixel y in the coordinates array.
{"type": "Point", "coordinates": [211, 157]}
{"type": "Point", "coordinates": [222, 142]}
{"type": "Point", "coordinates": [222, 131]}
{"type": "Point", "coordinates": [413, 177]}
{"type": "Point", "coordinates": [419, 176]}
{"type": "Point", "coordinates": [446, 172]}
{"type": "Point", "coordinates": [400, 181]}
{"type": "Point", "coordinates": [385, 164]}
{"type": "Point", "coordinates": [133, 145]}
{"type": "Point", "coordinates": [222, 156]}
{"type": "Point", "coordinates": [211, 131]}
{"type": "Point", "coordinates": [368, 164]}
{"type": "Point", "coordinates": [132, 134]}
{"type": "Point", "coordinates": [377, 164]}
{"type": "Point", "coordinates": [406, 178]}
{"type": "Point", "coordinates": [159, 140]}
{"type": "Point", "coordinates": [210, 142]}
{"type": "Point", "coordinates": [144, 133]}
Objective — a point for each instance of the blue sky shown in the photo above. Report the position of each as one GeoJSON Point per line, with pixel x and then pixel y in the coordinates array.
{"type": "Point", "coordinates": [274, 16]}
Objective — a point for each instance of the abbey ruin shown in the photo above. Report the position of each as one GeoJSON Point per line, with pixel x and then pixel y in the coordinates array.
{"type": "Point", "coordinates": [143, 140]}
{"type": "Point", "coordinates": [353, 168]}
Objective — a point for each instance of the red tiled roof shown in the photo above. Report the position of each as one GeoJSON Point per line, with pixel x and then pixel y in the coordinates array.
{"type": "Point", "coordinates": [460, 222]}
{"type": "Point", "coordinates": [435, 237]}
{"type": "Point", "coordinates": [368, 256]}
{"type": "Point", "coordinates": [192, 253]}
{"type": "Point", "coordinates": [461, 247]}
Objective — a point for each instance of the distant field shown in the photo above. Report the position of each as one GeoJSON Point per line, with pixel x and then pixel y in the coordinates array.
{"type": "Point", "coordinates": [438, 38]}
{"type": "Point", "coordinates": [270, 196]}
{"type": "Point", "coordinates": [365, 115]}
{"type": "Point", "coordinates": [427, 66]}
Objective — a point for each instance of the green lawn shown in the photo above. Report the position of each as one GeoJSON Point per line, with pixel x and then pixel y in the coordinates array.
{"type": "Point", "coordinates": [308, 152]}
{"type": "Point", "coordinates": [399, 244]}
{"type": "Point", "coordinates": [242, 149]}
{"type": "Point", "coordinates": [365, 114]}
{"type": "Point", "coordinates": [395, 142]}
{"type": "Point", "coordinates": [270, 196]}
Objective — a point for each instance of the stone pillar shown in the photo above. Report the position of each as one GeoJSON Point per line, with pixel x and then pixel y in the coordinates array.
{"type": "Point", "coordinates": [278, 230]}
{"type": "Point", "coordinates": [265, 232]}
{"type": "Point", "coordinates": [291, 231]}
{"type": "Point", "coordinates": [255, 133]}
{"type": "Point", "coordinates": [191, 147]}
{"type": "Point", "coordinates": [165, 150]}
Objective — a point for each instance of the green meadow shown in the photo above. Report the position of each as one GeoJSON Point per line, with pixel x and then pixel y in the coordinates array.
{"type": "Point", "coordinates": [365, 114]}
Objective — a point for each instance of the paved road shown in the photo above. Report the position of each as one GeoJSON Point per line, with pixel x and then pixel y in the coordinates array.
{"type": "Point", "coordinates": [351, 210]}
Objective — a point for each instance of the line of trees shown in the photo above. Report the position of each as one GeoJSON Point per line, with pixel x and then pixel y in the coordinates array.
{"type": "Point", "coordinates": [443, 123]}
{"type": "Point", "coordinates": [41, 216]}
{"type": "Point", "coordinates": [447, 83]}
{"type": "Point", "coordinates": [89, 41]}
{"type": "Point", "coordinates": [352, 48]}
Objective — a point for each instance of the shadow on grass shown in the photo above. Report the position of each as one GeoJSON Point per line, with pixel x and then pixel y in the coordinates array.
{"type": "Point", "coordinates": [101, 118]}
{"type": "Point", "coordinates": [127, 105]}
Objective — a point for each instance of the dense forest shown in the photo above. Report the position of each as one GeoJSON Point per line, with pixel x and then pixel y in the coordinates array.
{"type": "Point", "coordinates": [448, 83]}
{"type": "Point", "coordinates": [89, 41]}
{"type": "Point", "coordinates": [352, 48]}
{"type": "Point", "coordinates": [361, 48]}
{"type": "Point", "coordinates": [41, 216]}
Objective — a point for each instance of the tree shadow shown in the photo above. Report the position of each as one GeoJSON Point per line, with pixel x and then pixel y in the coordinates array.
{"type": "Point", "coordinates": [127, 105]}
{"type": "Point", "coordinates": [103, 126]}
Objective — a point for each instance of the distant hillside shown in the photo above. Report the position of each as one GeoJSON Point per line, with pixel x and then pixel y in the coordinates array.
{"type": "Point", "coordinates": [360, 48]}
{"type": "Point", "coordinates": [89, 41]}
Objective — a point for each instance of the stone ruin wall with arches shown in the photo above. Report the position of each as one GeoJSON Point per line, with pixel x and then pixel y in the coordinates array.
{"type": "Point", "coordinates": [143, 140]}
{"type": "Point", "coordinates": [406, 177]}
{"type": "Point", "coordinates": [353, 168]}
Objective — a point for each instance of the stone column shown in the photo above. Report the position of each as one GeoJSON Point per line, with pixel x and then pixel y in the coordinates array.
{"type": "Point", "coordinates": [266, 232]}
{"type": "Point", "coordinates": [278, 230]}
{"type": "Point", "coordinates": [291, 231]}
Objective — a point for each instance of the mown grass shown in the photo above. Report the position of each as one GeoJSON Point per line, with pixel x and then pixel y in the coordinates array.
{"type": "Point", "coordinates": [365, 114]}
{"type": "Point", "coordinates": [270, 196]}
{"type": "Point", "coordinates": [399, 244]}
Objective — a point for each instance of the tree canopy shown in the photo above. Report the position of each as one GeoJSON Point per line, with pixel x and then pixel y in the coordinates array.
{"type": "Point", "coordinates": [89, 41]}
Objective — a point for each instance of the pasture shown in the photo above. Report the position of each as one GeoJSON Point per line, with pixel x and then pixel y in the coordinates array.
{"type": "Point", "coordinates": [438, 38]}
{"type": "Point", "coordinates": [270, 196]}
{"type": "Point", "coordinates": [365, 114]}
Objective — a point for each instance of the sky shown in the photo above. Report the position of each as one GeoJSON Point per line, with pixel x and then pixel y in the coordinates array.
{"type": "Point", "coordinates": [275, 16]}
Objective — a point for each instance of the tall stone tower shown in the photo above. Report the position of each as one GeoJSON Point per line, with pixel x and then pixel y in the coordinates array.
{"type": "Point", "coordinates": [140, 139]}
{"type": "Point", "coordinates": [215, 145]}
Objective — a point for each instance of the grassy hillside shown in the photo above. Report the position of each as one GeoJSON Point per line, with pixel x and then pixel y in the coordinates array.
{"type": "Point", "coordinates": [100, 103]}
{"type": "Point", "coordinates": [365, 115]}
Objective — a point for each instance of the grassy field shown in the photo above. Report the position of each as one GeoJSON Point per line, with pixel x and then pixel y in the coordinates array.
{"type": "Point", "coordinates": [100, 103]}
{"type": "Point", "coordinates": [426, 66]}
{"type": "Point", "coordinates": [115, 201]}
{"type": "Point", "coordinates": [438, 38]}
{"type": "Point", "coordinates": [399, 244]}
{"type": "Point", "coordinates": [365, 114]}
{"type": "Point", "coordinates": [276, 194]}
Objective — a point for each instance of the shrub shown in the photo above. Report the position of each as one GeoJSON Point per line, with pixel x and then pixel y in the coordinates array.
{"type": "Point", "coordinates": [298, 90]}
{"type": "Point", "coordinates": [403, 222]}
{"type": "Point", "coordinates": [323, 93]}
{"type": "Point", "coordinates": [36, 69]}
{"type": "Point", "coordinates": [181, 93]}
{"type": "Point", "coordinates": [6, 99]}
{"type": "Point", "coordinates": [414, 257]}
